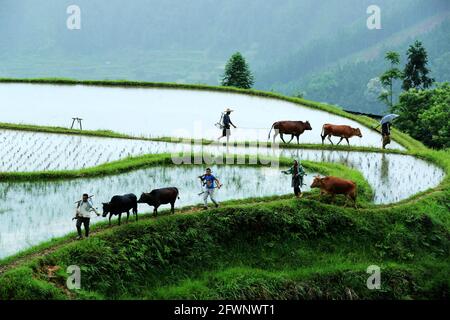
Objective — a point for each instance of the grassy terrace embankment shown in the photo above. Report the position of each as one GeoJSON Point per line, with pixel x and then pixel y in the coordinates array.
{"type": "Point", "coordinates": [205, 142]}
{"type": "Point", "coordinates": [275, 247]}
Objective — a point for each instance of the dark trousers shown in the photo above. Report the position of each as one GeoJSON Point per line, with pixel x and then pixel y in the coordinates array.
{"type": "Point", "coordinates": [84, 221]}
{"type": "Point", "coordinates": [297, 190]}
{"type": "Point", "coordinates": [226, 131]}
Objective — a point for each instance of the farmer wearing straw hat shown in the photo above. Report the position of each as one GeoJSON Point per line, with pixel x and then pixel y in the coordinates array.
{"type": "Point", "coordinates": [297, 173]}
{"type": "Point", "coordinates": [83, 214]}
{"type": "Point", "coordinates": [226, 121]}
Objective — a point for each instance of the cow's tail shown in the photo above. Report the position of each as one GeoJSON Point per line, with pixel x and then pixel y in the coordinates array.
{"type": "Point", "coordinates": [322, 134]}
{"type": "Point", "coordinates": [178, 193]}
{"type": "Point", "coordinates": [270, 131]}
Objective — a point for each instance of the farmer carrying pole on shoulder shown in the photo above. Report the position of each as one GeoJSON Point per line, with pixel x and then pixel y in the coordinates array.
{"type": "Point", "coordinates": [297, 173]}
{"type": "Point", "coordinates": [83, 214]}
{"type": "Point", "coordinates": [208, 182]}
{"type": "Point", "coordinates": [226, 122]}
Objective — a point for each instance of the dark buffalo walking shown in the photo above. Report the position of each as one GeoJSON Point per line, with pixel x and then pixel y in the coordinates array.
{"type": "Point", "coordinates": [294, 128]}
{"type": "Point", "coordinates": [119, 205]}
{"type": "Point", "coordinates": [158, 197]}
{"type": "Point", "coordinates": [342, 131]}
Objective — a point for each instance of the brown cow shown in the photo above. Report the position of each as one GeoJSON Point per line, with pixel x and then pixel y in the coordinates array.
{"type": "Point", "coordinates": [294, 128]}
{"type": "Point", "coordinates": [334, 186]}
{"type": "Point", "coordinates": [342, 131]}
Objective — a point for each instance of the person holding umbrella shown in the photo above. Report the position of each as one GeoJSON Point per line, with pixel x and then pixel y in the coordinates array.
{"type": "Point", "coordinates": [385, 123]}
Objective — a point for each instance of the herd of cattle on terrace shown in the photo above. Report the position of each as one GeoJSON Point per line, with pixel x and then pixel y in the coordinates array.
{"type": "Point", "coordinates": [330, 185]}
{"type": "Point", "coordinates": [296, 128]}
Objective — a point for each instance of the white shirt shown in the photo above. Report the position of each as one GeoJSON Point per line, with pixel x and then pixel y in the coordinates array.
{"type": "Point", "coordinates": [84, 209]}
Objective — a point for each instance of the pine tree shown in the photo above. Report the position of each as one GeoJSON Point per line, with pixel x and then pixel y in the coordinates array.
{"type": "Point", "coordinates": [387, 78]}
{"type": "Point", "coordinates": [416, 71]}
{"type": "Point", "coordinates": [237, 73]}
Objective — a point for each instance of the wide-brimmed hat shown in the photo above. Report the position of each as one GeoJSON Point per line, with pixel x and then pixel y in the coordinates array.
{"type": "Point", "coordinates": [228, 110]}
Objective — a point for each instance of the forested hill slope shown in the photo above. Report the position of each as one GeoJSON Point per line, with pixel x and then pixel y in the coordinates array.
{"type": "Point", "coordinates": [347, 82]}
{"type": "Point", "coordinates": [290, 44]}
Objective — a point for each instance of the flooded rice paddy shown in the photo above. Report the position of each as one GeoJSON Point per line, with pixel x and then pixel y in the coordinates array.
{"type": "Point", "coordinates": [163, 112]}
{"type": "Point", "coordinates": [33, 212]}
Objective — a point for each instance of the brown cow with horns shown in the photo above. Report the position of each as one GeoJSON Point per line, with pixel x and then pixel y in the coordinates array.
{"type": "Point", "coordinates": [294, 128]}
{"type": "Point", "coordinates": [342, 131]}
{"type": "Point", "coordinates": [334, 185]}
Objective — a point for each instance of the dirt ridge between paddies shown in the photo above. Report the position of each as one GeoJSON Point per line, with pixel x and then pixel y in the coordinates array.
{"type": "Point", "coordinates": [50, 246]}
{"type": "Point", "coordinates": [188, 141]}
{"type": "Point", "coordinates": [364, 200]}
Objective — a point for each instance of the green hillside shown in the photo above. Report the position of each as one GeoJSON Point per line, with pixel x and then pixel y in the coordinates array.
{"type": "Point", "coordinates": [346, 82]}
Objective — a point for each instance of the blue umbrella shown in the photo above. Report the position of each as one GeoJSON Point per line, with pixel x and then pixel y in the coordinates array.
{"type": "Point", "coordinates": [389, 118]}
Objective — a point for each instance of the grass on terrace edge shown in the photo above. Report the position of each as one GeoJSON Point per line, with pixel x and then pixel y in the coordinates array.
{"type": "Point", "coordinates": [398, 136]}
{"type": "Point", "coordinates": [279, 237]}
{"type": "Point", "coordinates": [365, 196]}
{"type": "Point", "coordinates": [411, 237]}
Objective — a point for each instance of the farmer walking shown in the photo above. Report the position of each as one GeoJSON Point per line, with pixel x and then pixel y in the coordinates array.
{"type": "Point", "coordinates": [297, 173]}
{"type": "Point", "coordinates": [209, 184]}
{"type": "Point", "coordinates": [83, 215]}
{"type": "Point", "coordinates": [226, 122]}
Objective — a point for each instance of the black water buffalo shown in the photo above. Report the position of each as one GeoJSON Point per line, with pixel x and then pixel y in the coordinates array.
{"type": "Point", "coordinates": [119, 205]}
{"type": "Point", "coordinates": [294, 128]}
{"type": "Point", "coordinates": [158, 197]}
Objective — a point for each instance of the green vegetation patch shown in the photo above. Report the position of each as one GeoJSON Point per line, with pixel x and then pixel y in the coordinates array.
{"type": "Point", "coordinates": [280, 249]}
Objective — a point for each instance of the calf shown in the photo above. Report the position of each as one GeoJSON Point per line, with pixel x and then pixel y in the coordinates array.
{"type": "Point", "coordinates": [119, 205]}
{"type": "Point", "coordinates": [158, 197]}
{"type": "Point", "coordinates": [334, 186]}
{"type": "Point", "coordinates": [342, 131]}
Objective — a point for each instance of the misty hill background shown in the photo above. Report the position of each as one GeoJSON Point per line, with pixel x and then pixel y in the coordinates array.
{"type": "Point", "coordinates": [324, 51]}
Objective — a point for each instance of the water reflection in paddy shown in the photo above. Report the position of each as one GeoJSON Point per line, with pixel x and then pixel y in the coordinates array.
{"type": "Point", "coordinates": [31, 213]}
{"type": "Point", "coordinates": [163, 112]}
{"type": "Point", "coordinates": [393, 177]}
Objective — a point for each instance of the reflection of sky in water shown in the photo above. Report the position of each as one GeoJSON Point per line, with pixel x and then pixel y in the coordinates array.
{"type": "Point", "coordinates": [163, 112]}
{"type": "Point", "coordinates": [34, 212]}
{"type": "Point", "coordinates": [393, 177]}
